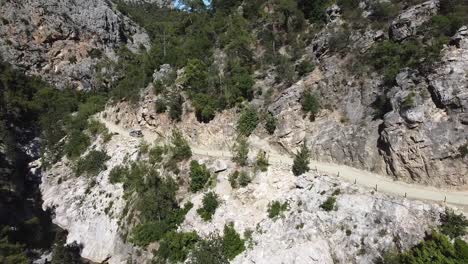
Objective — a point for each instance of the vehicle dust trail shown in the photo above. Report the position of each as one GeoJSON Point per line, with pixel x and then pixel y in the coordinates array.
{"type": "Point", "coordinates": [360, 177]}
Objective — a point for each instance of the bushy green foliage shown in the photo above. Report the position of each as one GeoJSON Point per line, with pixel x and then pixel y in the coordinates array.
{"type": "Point", "coordinates": [436, 248]}
{"type": "Point", "coordinates": [270, 123]}
{"type": "Point", "coordinates": [305, 67]}
{"type": "Point", "coordinates": [175, 246]}
{"type": "Point", "coordinates": [209, 251]}
{"type": "Point", "coordinates": [310, 104]}
{"type": "Point", "coordinates": [199, 176]}
{"type": "Point", "coordinates": [247, 122]}
{"type": "Point", "coordinates": [233, 244]}
{"type": "Point", "coordinates": [92, 163]}
{"type": "Point", "coordinates": [240, 151]}
{"type": "Point", "coordinates": [117, 174]}
{"type": "Point", "coordinates": [233, 179]}
{"type": "Point", "coordinates": [261, 162]}
{"type": "Point", "coordinates": [176, 107]}
{"type": "Point", "coordinates": [329, 204]}
{"type": "Point", "coordinates": [301, 161]}
{"type": "Point", "coordinates": [408, 102]}
{"type": "Point", "coordinates": [156, 153]}
{"type": "Point", "coordinates": [452, 224]}
{"type": "Point", "coordinates": [76, 144]}
{"type": "Point", "coordinates": [276, 209]}
{"type": "Point", "coordinates": [244, 179]}
{"type": "Point", "coordinates": [160, 106]}
{"type": "Point", "coordinates": [210, 203]}
{"type": "Point", "coordinates": [180, 148]}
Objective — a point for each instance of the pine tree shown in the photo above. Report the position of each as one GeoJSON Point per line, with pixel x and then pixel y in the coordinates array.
{"type": "Point", "coordinates": [301, 161]}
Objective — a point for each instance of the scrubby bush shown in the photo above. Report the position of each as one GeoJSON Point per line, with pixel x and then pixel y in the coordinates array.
{"type": "Point", "coordinates": [310, 104]}
{"type": "Point", "coordinates": [92, 163]}
{"type": "Point", "coordinates": [210, 203]}
{"type": "Point", "coordinates": [247, 122]}
{"type": "Point", "coordinates": [118, 174]}
{"type": "Point", "coordinates": [175, 107]}
{"type": "Point", "coordinates": [240, 151]}
{"type": "Point", "coordinates": [261, 162]}
{"type": "Point", "coordinates": [199, 176]}
{"type": "Point", "coordinates": [329, 204]}
{"type": "Point", "coordinates": [160, 106]}
{"type": "Point", "coordinates": [270, 123]}
{"type": "Point", "coordinates": [305, 67]}
{"type": "Point", "coordinates": [233, 244]}
{"type": "Point", "coordinates": [156, 153]}
{"type": "Point", "coordinates": [276, 209]}
{"type": "Point", "coordinates": [76, 144]}
{"type": "Point", "coordinates": [301, 161]}
{"type": "Point", "coordinates": [233, 179]}
{"type": "Point", "coordinates": [209, 251]}
{"type": "Point", "coordinates": [180, 148]}
{"type": "Point", "coordinates": [244, 179]}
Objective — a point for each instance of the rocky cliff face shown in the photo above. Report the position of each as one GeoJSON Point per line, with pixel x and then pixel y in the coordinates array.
{"type": "Point", "coordinates": [63, 41]}
{"type": "Point", "coordinates": [420, 140]}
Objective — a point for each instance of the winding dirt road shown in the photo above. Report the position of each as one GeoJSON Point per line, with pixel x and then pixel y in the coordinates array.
{"type": "Point", "coordinates": [360, 177]}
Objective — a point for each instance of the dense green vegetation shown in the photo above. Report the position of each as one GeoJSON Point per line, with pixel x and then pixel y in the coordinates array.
{"type": "Point", "coordinates": [436, 248]}
{"type": "Point", "coordinates": [210, 203]}
{"type": "Point", "coordinates": [452, 224]}
{"type": "Point", "coordinates": [310, 104]}
{"type": "Point", "coordinates": [301, 161]}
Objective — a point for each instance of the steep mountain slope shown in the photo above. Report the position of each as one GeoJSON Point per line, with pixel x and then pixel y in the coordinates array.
{"type": "Point", "coordinates": [380, 86]}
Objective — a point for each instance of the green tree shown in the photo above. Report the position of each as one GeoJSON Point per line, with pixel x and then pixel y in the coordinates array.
{"type": "Point", "coordinates": [233, 244]}
{"type": "Point", "coordinates": [301, 161]}
{"type": "Point", "coordinates": [270, 123]}
{"type": "Point", "coordinates": [247, 122]}
{"type": "Point", "coordinates": [180, 147]}
{"type": "Point", "coordinates": [199, 176]}
{"type": "Point", "coordinates": [210, 203]}
{"type": "Point", "coordinates": [241, 151]}
{"type": "Point", "coordinates": [329, 204]}
{"type": "Point", "coordinates": [92, 163]}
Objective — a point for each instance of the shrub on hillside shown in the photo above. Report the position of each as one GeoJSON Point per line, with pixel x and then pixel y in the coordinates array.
{"type": "Point", "coordinates": [310, 104]}
{"type": "Point", "coordinates": [329, 204]}
{"type": "Point", "coordinates": [180, 148]}
{"type": "Point", "coordinates": [240, 151]}
{"type": "Point", "coordinates": [276, 209]}
{"type": "Point", "coordinates": [301, 161]}
{"type": "Point", "coordinates": [233, 244]}
{"type": "Point", "coordinates": [199, 176]}
{"type": "Point", "coordinates": [92, 163]}
{"type": "Point", "coordinates": [247, 122]}
{"type": "Point", "coordinates": [210, 203]}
